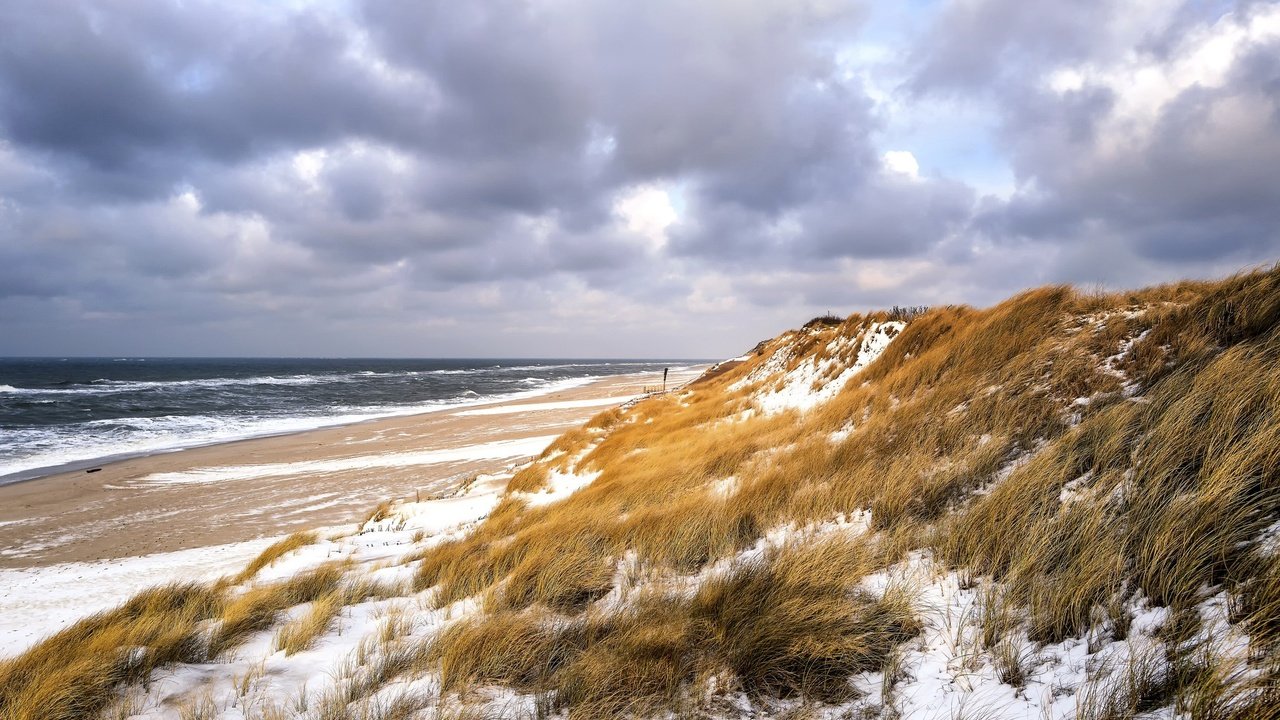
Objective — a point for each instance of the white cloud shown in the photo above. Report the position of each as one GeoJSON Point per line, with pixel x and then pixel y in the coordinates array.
{"type": "Point", "coordinates": [1145, 84]}
{"type": "Point", "coordinates": [902, 162]}
{"type": "Point", "coordinates": [308, 164]}
{"type": "Point", "coordinates": [647, 211]}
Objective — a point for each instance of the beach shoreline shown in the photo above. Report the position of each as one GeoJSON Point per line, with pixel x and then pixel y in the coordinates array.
{"type": "Point", "coordinates": [323, 423]}
{"type": "Point", "coordinates": [247, 489]}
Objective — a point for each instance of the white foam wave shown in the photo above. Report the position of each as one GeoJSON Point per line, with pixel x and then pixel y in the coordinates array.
{"type": "Point", "coordinates": [130, 385]}
{"type": "Point", "coordinates": [107, 385]}
{"type": "Point", "coordinates": [95, 440]}
{"type": "Point", "coordinates": [103, 385]}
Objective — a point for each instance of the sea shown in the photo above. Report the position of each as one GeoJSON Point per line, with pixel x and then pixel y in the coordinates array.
{"type": "Point", "coordinates": [59, 414]}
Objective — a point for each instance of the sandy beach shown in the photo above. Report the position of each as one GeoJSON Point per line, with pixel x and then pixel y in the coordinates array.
{"type": "Point", "coordinates": [266, 487]}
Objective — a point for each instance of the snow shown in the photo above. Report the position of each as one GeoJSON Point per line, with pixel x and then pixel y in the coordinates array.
{"type": "Point", "coordinates": [1269, 539]}
{"type": "Point", "coordinates": [1076, 489]}
{"type": "Point", "coordinates": [557, 405]}
{"type": "Point", "coordinates": [255, 675]}
{"type": "Point", "coordinates": [775, 365]}
{"type": "Point", "coordinates": [839, 435]}
{"type": "Point", "coordinates": [947, 670]}
{"type": "Point", "coordinates": [811, 383]}
{"type": "Point", "coordinates": [20, 521]}
{"type": "Point", "coordinates": [439, 516]}
{"type": "Point", "coordinates": [499, 449]}
{"type": "Point", "coordinates": [724, 488]}
{"type": "Point", "coordinates": [39, 601]}
{"type": "Point", "coordinates": [560, 485]}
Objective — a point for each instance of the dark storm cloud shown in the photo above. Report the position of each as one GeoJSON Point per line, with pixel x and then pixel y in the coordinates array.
{"type": "Point", "coordinates": [117, 85]}
{"type": "Point", "coordinates": [540, 169]}
{"type": "Point", "coordinates": [127, 95]}
{"type": "Point", "coordinates": [1195, 182]}
{"type": "Point", "coordinates": [1146, 164]}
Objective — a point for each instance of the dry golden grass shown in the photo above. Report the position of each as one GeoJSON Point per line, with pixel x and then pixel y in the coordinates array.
{"type": "Point", "coordinates": [74, 673]}
{"type": "Point", "coordinates": [794, 624]}
{"type": "Point", "coordinates": [300, 634]}
{"type": "Point", "coordinates": [1258, 604]}
{"type": "Point", "coordinates": [1140, 686]}
{"type": "Point", "coordinates": [567, 444]}
{"type": "Point", "coordinates": [566, 577]}
{"type": "Point", "coordinates": [1166, 496]}
{"type": "Point", "coordinates": [256, 609]}
{"type": "Point", "coordinates": [788, 624]}
{"type": "Point", "coordinates": [528, 479]}
{"type": "Point", "coordinates": [274, 552]}
{"type": "Point", "coordinates": [510, 648]}
{"type": "Point", "coordinates": [380, 511]}
{"type": "Point", "coordinates": [1180, 520]}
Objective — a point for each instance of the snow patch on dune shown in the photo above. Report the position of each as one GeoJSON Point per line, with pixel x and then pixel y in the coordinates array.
{"type": "Point", "coordinates": [816, 380]}
{"type": "Point", "coordinates": [560, 485]}
{"type": "Point", "coordinates": [470, 504]}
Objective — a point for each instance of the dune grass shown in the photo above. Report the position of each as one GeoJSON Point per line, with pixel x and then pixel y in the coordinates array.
{"type": "Point", "coordinates": [1077, 448]}
{"type": "Point", "coordinates": [76, 673]}
{"type": "Point", "coordinates": [73, 674]}
{"type": "Point", "coordinates": [301, 633]}
{"type": "Point", "coordinates": [258, 608]}
{"type": "Point", "coordinates": [788, 624]}
{"type": "Point", "coordinates": [274, 552]}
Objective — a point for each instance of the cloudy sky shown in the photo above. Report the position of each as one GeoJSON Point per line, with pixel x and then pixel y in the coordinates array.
{"type": "Point", "coordinates": [608, 179]}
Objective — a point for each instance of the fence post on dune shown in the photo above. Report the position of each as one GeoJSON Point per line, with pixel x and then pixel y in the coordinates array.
{"type": "Point", "coordinates": [664, 379]}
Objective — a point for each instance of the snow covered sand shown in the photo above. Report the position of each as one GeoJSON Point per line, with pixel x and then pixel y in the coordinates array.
{"type": "Point", "coordinates": [498, 449]}
{"type": "Point", "coordinates": [35, 602]}
{"type": "Point", "coordinates": [539, 406]}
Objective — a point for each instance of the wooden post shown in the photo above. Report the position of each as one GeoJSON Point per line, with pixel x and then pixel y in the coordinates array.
{"type": "Point", "coordinates": [664, 379]}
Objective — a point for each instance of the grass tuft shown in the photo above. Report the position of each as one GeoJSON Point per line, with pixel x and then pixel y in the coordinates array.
{"type": "Point", "coordinates": [74, 674]}
{"type": "Point", "coordinates": [274, 552]}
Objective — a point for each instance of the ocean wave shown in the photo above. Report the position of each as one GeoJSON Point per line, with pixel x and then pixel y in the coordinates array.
{"type": "Point", "coordinates": [32, 449]}
{"type": "Point", "coordinates": [107, 385]}
{"type": "Point", "coordinates": [309, 379]}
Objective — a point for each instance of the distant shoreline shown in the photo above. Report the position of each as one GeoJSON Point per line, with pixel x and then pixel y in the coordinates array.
{"type": "Point", "coordinates": [249, 488]}
{"type": "Point", "coordinates": [76, 415]}
{"type": "Point", "coordinates": [79, 465]}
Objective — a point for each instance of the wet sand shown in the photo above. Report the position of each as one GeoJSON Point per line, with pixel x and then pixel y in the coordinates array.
{"type": "Point", "coordinates": [262, 487]}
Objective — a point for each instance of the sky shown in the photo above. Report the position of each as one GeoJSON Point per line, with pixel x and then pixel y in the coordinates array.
{"type": "Point", "coordinates": [569, 178]}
